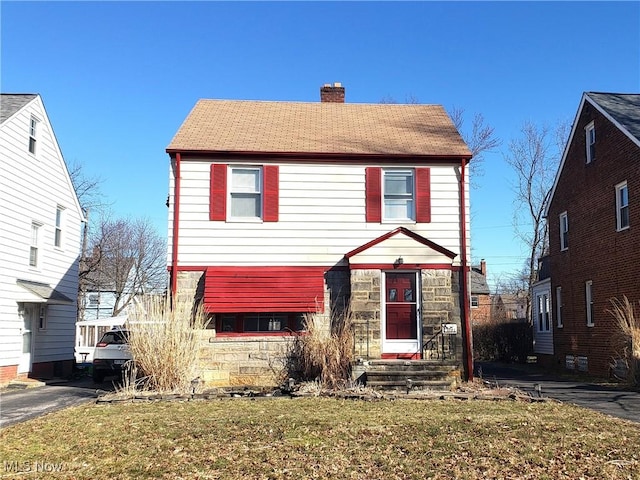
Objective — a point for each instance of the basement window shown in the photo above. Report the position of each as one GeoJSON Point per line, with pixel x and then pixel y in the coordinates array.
{"type": "Point", "coordinates": [259, 323]}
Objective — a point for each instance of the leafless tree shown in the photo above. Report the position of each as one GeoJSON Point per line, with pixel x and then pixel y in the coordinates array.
{"type": "Point", "coordinates": [534, 156]}
{"type": "Point", "coordinates": [480, 140]}
{"type": "Point", "coordinates": [128, 258]}
{"type": "Point", "coordinates": [87, 187]}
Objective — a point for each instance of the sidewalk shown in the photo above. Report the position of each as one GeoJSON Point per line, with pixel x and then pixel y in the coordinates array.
{"type": "Point", "coordinates": [608, 398]}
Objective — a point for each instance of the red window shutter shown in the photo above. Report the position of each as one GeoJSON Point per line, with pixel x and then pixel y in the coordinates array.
{"type": "Point", "coordinates": [218, 192]}
{"type": "Point", "coordinates": [423, 195]}
{"type": "Point", "coordinates": [271, 193]}
{"type": "Point", "coordinates": [373, 192]}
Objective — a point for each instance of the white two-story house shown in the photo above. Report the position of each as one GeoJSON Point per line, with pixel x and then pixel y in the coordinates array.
{"type": "Point", "coordinates": [280, 209]}
{"type": "Point", "coordinates": [40, 231]}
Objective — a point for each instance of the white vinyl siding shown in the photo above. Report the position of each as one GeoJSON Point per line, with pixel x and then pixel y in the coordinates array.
{"type": "Point", "coordinates": [321, 218]}
{"type": "Point", "coordinates": [541, 311]}
{"type": "Point", "coordinates": [31, 191]}
{"type": "Point", "coordinates": [622, 206]}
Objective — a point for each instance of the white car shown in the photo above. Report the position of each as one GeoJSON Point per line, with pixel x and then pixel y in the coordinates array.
{"type": "Point", "coordinates": [112, 352]}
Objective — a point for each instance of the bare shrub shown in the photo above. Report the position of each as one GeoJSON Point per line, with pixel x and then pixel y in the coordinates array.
{"type": "Point", "coordinates": [626, 341]}
{"type": "Point", "coordinates": [165, 343]}
{"type": "Point", "coordinates": [324, 353]}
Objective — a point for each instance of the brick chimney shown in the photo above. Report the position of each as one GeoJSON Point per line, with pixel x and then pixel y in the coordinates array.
{"type": "Point", "coordinates": [332, 93]}
{"type": "Point", "coordinates": [483, 267]}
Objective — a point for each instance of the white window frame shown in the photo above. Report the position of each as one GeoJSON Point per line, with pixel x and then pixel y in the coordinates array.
{"type": "Point", "coordinates": [620, 207]}
{"type": "Point", "coordinates": [33, 135]}
{"type": "Point", "coordinates": [475, 300]}
{"type": "Point", "coordinates": [590, 142]}
{"type": "Point", "coordinates": [543, 320]}
{"type": "Point", "coordinates": [588, 301]}
{"type": "Point", "coordinates": [58, 228]}
{"type": "Point", "coordinates": [559, 306]}
{"type": "Point", "coordinates": [410, 197]}
{"type": "Point", "coordinates": [42, 317]}
{"type": "Point", "coordinates": [34, 245]}
{"type": "Point", "coordinates": [231, 192]}
{"type": "Point", "coordinates": [564, 231]}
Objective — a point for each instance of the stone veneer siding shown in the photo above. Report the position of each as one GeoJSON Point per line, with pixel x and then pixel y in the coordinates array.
{"type": "Point", "coordinates": [440, 304]}
{"type": "Point", "coordinates": [258, 360]}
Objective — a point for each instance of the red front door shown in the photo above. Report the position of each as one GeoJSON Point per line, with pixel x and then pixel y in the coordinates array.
{"type": "Point", "coordinates": [401, 308]}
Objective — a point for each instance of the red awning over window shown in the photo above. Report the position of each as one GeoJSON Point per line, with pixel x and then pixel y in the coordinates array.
{"type": "Point", "coordinates": [264, 289]}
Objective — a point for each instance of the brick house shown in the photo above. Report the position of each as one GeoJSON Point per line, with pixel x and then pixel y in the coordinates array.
{"type": "Point", "coordinates": [278, 210]}
{"type": "Point", "coordinates": [480, 294]}
{"type": "Point", "coordinates": [593, 217]}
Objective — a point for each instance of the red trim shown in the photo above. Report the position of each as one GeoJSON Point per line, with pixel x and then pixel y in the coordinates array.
{"type": "Point", "coordinates": [373, 194]}
{"type": "Point", "coordinates": [401, 356]}
{"type": "Point", "coordinates": [408, 233]}
{"type": "Point", "coordinates": [404, 266]}
{"type": "Point", "coordinates": [218, 192]}
{"type": "Point", "coordinates": [176, 230]}
{"type": "Point", "coordinates": [466, 300]}
{"type": "Point", "coordinates": [297, 157]}
{"type": "Point", "coordinates": [264, 289]}
{"type": "Point", "coordinates": [423, 195]}
{"type": "Point", "coordinates": [271, 193]}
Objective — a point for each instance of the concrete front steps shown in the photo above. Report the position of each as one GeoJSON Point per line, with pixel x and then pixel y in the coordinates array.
{"type": "Point", "coordinates": [410, 374]}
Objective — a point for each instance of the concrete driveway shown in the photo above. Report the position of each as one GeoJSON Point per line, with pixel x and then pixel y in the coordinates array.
{"type": "Point", "coordinates": [611, 399]}
{"type": "Point", "coordinates": [19, 405]}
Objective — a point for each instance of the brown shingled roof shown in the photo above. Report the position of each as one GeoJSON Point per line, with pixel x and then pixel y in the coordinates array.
{"type": "Point", "coordinates": [318, 128]}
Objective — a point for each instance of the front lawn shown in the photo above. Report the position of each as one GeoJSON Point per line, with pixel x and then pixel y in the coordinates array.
{"type": "Point", "coordinates": [323, 438]}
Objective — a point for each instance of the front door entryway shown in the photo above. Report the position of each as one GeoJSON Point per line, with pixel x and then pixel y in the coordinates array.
{"type": "Point", "coordinates": [400, 323]}
{"type": "Point", "coordinates": [28, 313]}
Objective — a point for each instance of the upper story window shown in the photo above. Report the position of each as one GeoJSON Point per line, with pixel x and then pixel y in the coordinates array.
{"type": "Point", "coordinates": [34, 254]}
{"type": "Point", "coordinates": [57, 239]}
{"type": "Point", "coordinates": [475, 302]}
{"type": "Point", "coordinates": [622, 206]}
{"type": "Point", "coordinates": [588, 296]}
{"type": "Point", "coordinates": [33, 134]}
{"type": "Point", "coordinates": [398, 194]}
{"type": "Point", "coordinates": [590, 131]}
{"type": "Point", "coordinates": [399, 200]}
{"type": "Point", "coordinates": [244, 193]}
{"type": "Point", "coordinates": [564, 231]}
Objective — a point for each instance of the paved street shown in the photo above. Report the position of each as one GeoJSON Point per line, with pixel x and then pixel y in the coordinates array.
{"type": "Point", "coordinates": [609, 399]}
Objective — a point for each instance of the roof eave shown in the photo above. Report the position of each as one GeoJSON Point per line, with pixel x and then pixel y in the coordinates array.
{"type": "Point", "coordinates": [327, 156]}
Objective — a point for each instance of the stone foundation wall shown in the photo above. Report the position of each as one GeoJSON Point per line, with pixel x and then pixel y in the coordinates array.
{"type": "Point", "coordinates": [365, 309]}
{"type": "Point", "coordinates": [441, 304]}
{"type": "Point", "coordinates": [255, 360]}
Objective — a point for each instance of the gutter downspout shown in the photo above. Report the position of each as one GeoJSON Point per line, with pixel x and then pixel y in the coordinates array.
{"type": "Point", "coordinates": [176, 221]}
{"type": "Point", "coordinates": [465, 276]}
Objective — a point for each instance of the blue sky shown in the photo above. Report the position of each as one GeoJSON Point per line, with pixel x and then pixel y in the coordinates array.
{"type": "Point", "coordinates": [118, 78]}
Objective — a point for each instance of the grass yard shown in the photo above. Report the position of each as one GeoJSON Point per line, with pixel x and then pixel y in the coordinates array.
{"type": "Point", "coordinates": [323, 438]}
